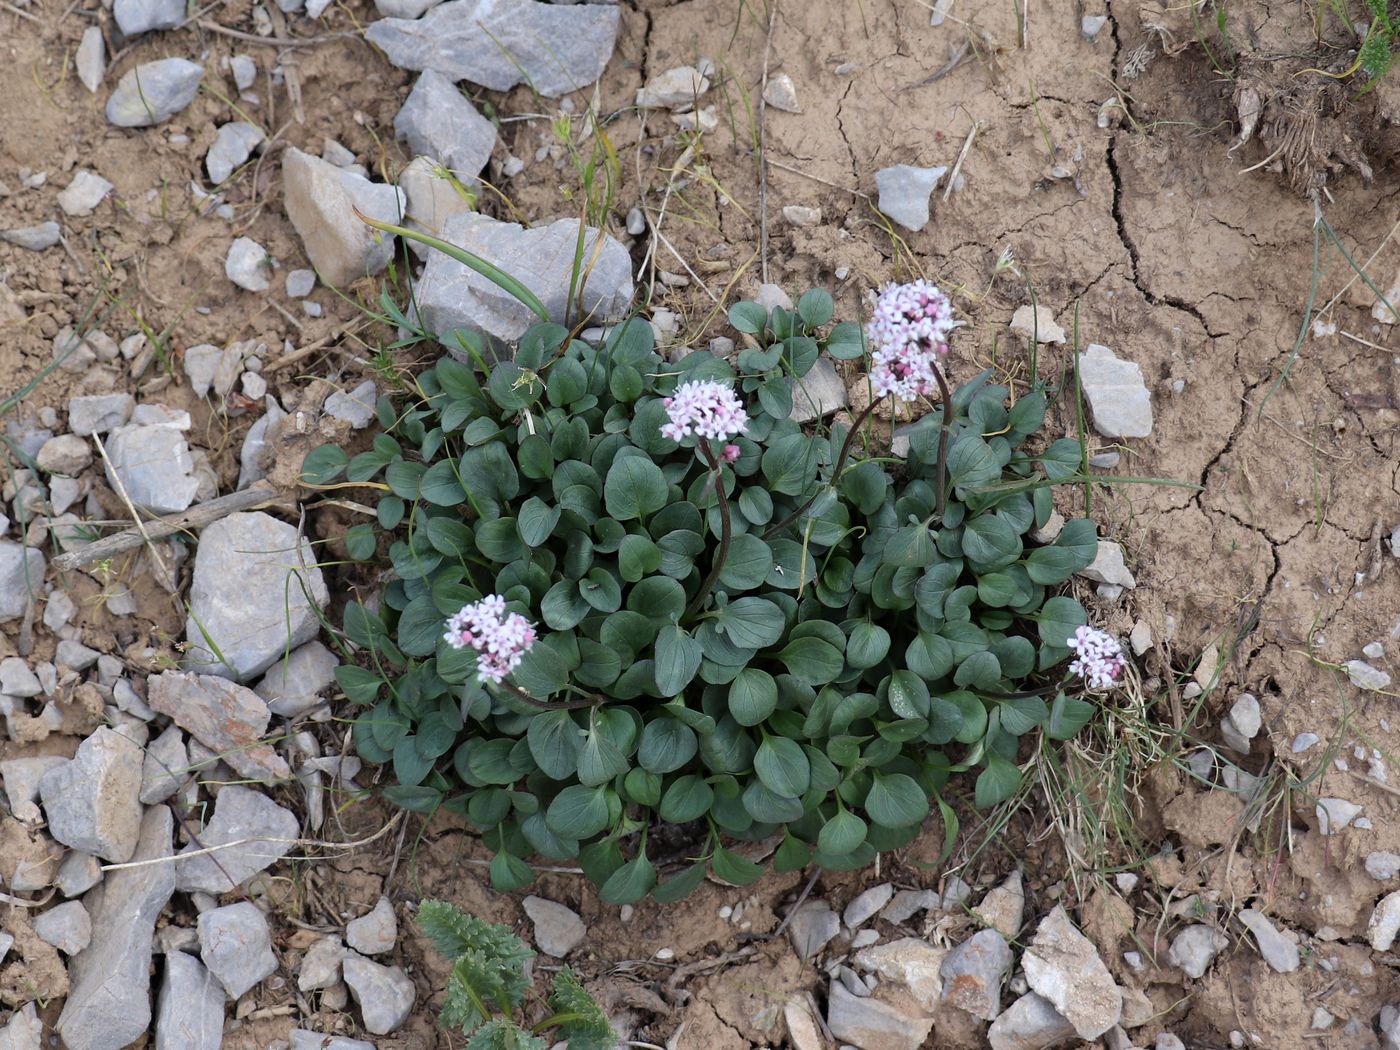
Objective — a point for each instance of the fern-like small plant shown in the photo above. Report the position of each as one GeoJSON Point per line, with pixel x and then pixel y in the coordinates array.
{"type": "Point", "coordinates": [486, 992]}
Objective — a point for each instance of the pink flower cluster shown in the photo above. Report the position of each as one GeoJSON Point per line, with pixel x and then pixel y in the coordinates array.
{"type": "Point", "coordinates": [908, 330]}
{"type": "Point", "coordinates": [1099, 657]}
{"type": "Point", "coordinates": [499, 638]}
{"type": "Point", "coordinates": [706, 408]}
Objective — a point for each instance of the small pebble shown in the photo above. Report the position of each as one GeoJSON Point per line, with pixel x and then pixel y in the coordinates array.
{"type": "Point", "coordinates": [665, 954]}
{"type": "Point", "coordinates": [636, 222]}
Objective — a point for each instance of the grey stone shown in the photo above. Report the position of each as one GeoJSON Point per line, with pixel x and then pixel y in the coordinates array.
{"type": "Point", "coordinates": [250, 468]}
{"type": "Point", "coordinates": [91, 59]}
{"type": "Point", "coordinates": [21, 777]}
{"type": "Point", "coordinates": [301, 283]}
{"type": "Point", "coordinates": [227, 718]}
{"type": "Point", "coordinates": [438, 121]}
{"type": "Point", "coordinates": [7, 940]}
{"type": "Point", "coordinates": [1334, 814]}
{"type": "Point", "coordinates": [153, 465]}
{"type": "Point", "coordinates": [233, 145]}
{"type": "Point", "coordinates": [872, 1024]}
{"type": "Point", "coordinates": [1063, 966]}
{"type": "Point", "coordinates": [910, 962]}
{"type": "Point", "coordinates": [109, 1004]}
{"type": "Point", "coordinates": [91, 802]}
{"type": "Point", "coordinates": [1037, 322]}
{"type": "Point", "coordinates": [141, 16]}
{"type": "Point", "coordinates": [771, 296]}
{"type": "Point", "coordinates": [907, 903]}
{"type": "Point", "coordinates": [21, 576]}
{"type": "Point", "coordinates": [558, 930]}
{"type": "Point", "coordinates": [781, 94]}
{"type": "Point", "coordinates": [356, 407]}
{"type": "Point", "coordinates": [321, 202]}
{"type": "Point", "coordinates": [636, 222]}
{"type": "Point", "coordinates": [84, 194]}
{"type": "Point", "coordinates": [292, 686]}
{"type": "Point", "coordinates": [154, 92]}
{"type": "Point", "coordinates": [865, 905]}
{"type": "Point", "coordinates": [1108, 567]}
{"type": "Point", "coordinates": [1278, 951]}
{"type": "Point", "coordinates": [385, 993]}
{"type": "Point", "coordinates": [66, 926]}
{"type": "Point", "coordinates": [904, 193]}
{"type": "Point", "coordinates": [1390, 1027]}
{"type": "Point", "coordinates": [1106, 460]}
{"type": "Point", "coordinates": [248, 265]}
{"type": "Point", "coordinates": [676, 88]}
{"type": "Point", "coordinates": [1030, 1023]}
{"type": "Point", "coordinates": [78, 873]}
{"type": "Point", "coordinates": [404, 8]}
{"type": "Point", "coordinates": [1382, 865]}
{"type": "Point", "coordinates": [812, 926]}
{"type": "Point", "coordinates": [802, 1029]}
{"type": "Point", "coordinates": [501, 43]}
{"type": "Point", "coordinates": [974, 971]}
{"type": "Point", "coordinates": [59, 609]}
{"type": "Point", "coordinates": [75, 655]}
{"type": "Point", "coordinates": [24, 1030]}
{"type": "Point", "coordinates": [819, 393]}
{"type": "Point", "coordinates": [1194, 948]}
{"type": "Point", "coordinates": [236, 946]}
{"type": "Point", "coordinates": [1385, 922]}
{"type": "Point", "coordinates": [262, 829]}
{"type": "Point", "coordinates": [1246, 717]}
{"type": "Point", "coordinates": [190, 1007]}
{"type": "Point", "coordinates": [16, 679]}
{"type": "Point", "coordinates": [1304, 741]}
{"type": "Point", "coordinates": [1373, 650]}
{"type": "Point", "coordinates": [453, 296]}
{"type": "Point", "coordinates": [64, 454]}
{"type": "Point", "coordinates": [1004, 906]}
{"type": "Point", "coordinates": [320, 966]}
{"type": "Point", "coordinates": [98, 413]}
{"type": "Point", "coordinates": [1090, 25]}
{"type": "Point", "coordinates": [375, 933]}
{"type": "Point", "coordinates": [255, 582]}
{"type": "Point", "coordinates": [432, 199]}
{"type": "Point", "coordinates": [65, 492]}
{"type": "Point", "coordinates": [1364, 676]}
{"type": "Point", "coordinates": [33, 238]}
{"type": "Point", "coordinates": [1118, 399]}
{"type": "Point", "coordinates": [305, 1040]}
{"type": "Point", "coordinates": [165, 767]}
{"type": "Point", "coordinates": [1167, 1041]}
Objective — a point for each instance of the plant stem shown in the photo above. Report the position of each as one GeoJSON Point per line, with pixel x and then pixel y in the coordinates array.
{"type": "Point", "coordinates": [943, 437]}
{"type": "Point", "coordinates": [524, 697]}
{"type": "Point", "coordinates": [698, 602]}
{"type": "Point", "coordinates": [773, 530]}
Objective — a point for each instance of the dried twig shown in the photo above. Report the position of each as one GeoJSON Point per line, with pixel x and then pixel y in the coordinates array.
{"type": "Point", "coordinates": [163, 573]}
{"type": "Point", "coordinates": [21, 14]}
{"type": "Point", "coordinates": [962, 156]}
{"type": "Point", "coordinates": [763, 147]}
{"type": "Point", "coordinates": [198, 516]}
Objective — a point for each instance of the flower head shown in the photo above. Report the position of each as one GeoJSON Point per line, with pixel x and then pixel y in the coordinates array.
{"type": "Point", "coordinates": [909, 329]}
{"type": "Point", "coordinates": [732, 453]}
{"type": "Point", "coordinates": [706, 408]}
{"type": "Point", "coordinates": [499, 638]}
{"type": "Point", "coordinates": [1099, 657]}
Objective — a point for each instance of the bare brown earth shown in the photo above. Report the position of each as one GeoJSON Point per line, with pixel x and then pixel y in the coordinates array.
{"type": "Point", "coordinates": [1148, 232]}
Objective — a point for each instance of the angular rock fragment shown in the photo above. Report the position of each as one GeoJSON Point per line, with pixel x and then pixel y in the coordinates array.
{"type": "Point", "coordinates": [1064, 967]}
{"type": "Point", "coordinates": [904, 193]}
{"type": "Point", "coordinates": [92, 802]}
{"type": "Point", "coordinates": [1118, 400]}
{"type": "Point", "coordinates": [439, 122]}
{"type": "Point", "coordinates": [225, 717]}
{"type": "Point", "coordinates": [153, 92]}
{"type": "Point", "coordinates": [321, 202]}
{"type": "Point", "coordinates": [190, 1009]}
{"type": "Point", "coordinates": [236, 946]}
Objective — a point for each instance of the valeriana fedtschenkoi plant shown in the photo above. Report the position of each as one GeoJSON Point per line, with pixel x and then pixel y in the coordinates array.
{"type": "Point", "coordinates": [631, 592]}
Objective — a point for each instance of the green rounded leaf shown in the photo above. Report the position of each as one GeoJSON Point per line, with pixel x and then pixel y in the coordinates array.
{"type": "Point", "coordinates": [896, 800]}
{"type": "Point", "coordinates": [752, 696]}
{"type": "Point", "coordinates": [629, 883]}
{"type": "Point", "coordinates": [578, 812]}
{"type": "Point", "coordinates": [678, 657]}
{"type": "Point", "coordinates": [782, 766]}
{"type": "Point", "coordinates": [842, 833]}
{"type": "Point", "coordinates": [635, 488]}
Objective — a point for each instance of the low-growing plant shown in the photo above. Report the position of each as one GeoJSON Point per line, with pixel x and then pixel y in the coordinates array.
{"type": "Point", "coordinates": [487, 987]}
{"type": "Point", "coordinates": [633, 592]}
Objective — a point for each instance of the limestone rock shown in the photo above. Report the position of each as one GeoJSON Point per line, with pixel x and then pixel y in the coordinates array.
{"type": "Point", "coordinates": [153, 465]}
{"type": "Point", "coordinates": [1107, 567]}
{"type": "Point", "coordinates": [33, 238]}
{"type": "Point", "coordinates": [262, 829]}
{"type": "Point", "coordinates": [236, 946]}
{"type": "Point", "coordinates": [385, 993]}
{"type": "Point", "coordinates": [676, 88]}
{"type": "Point", "coordinates": [864, 906]}
{"type": "Point", "coordinates": [558, 929]}
{"type": "Point", "coordinates": [154, 92]}
{"type": "Point", "coordinates": [1064, 967]}
{"type": "Point", "coordinates": [21, 577]}
{"type": "Point", "coordinates": [501, 43]}
{"type": "Point", "coordinates": [141, 16]}
{"type": "Point", "coordinates": [910, 962]}
{"type": "Point", "coordinates": [84, 194]}
{"type": "Point", "coordinates": [904, 193]}
{"type": "Point", "coordinates": [225, 717]}
{"type": "Point", "coordinates": [1385, 923]}
{"type": "Point", "coordinates": [1278, 951]}
{"type": "Point", "coordinates": [98, 413]}
{"type": "Point", "coordinates": [234, 143]}
{"type": "Point", "coordinates": [438, 121]}
{"type": "Point", "coordinates": [1195, 947]}
{"type": "Point", "coordinates": [1037, 322]}
{"type": "Point", "coordinates": [432, 199]}
{"type": "Point", "coordinates": [248, 265]}
{"type": "Point", "coordinates": [66, 926]}
{"type": "Point", "coordinates": [321, 200]}
{"type": "Point", "coordinates": [375, 933]}
{"type": "Point", "coordinates": [873, 1024]}
{"type": "Point", "coordinates": [1118, 399]}
{"type": "Point", "coordinates": [819, 393]}
{"type": "Point", "coordinates": [320, 966]}
{"type": "Point", "coordinates": [190, 1008]}
{"type": "Point", "coordinates": [453, 296]}
{"type": "Point", "coordinates": [255, 582]}
{"type": "Point", "coordinates": [1003, 906]}
{"type": "Point", "coordinates": [973, 973]}
{"type": "Point", "coordinates": [812, 926]}
{"type": "Point", "coordinates": [781, 94]}
{"type": "Point", "coordinates": [109, 1005]}
{"type": "Point", "coordinates": [91, 58]}
{"type": "Point", "coordinates": [292, 686]}
{"type": "Point", "coordinates": [1030, 1023]}
{"type": "Point", "coordinates": [91, 802]}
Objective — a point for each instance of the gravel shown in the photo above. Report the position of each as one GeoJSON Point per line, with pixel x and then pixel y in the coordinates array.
{"type": "Point", "coordinates": [1382, 865]}
{"type": "Point", "coordinates": [248, 265]}
{"type": "Point", "coordinates": [1030, 1023]}
{"type": "Point", "coordinates": [233, 145]}
{"type": "Point", "coordinates": [255, 582]}
{"type": "Point", "coordinates": [66, 926]}
{"type": "Point", "coordinates": [974, 971]}
{"type": "Point", "coordinates": [91, 59]}
{"type": "Point", "coordinates": [819, 393]}
{"type": "Point", "coordinates": [225, 717]}
{"type": "Point", "coordinates": [812, 926]}
{"type": "Point", "coordinates": [909, 962]}
{"type": "Point", "coordinates": [1118, 399]}
{"type": "Point", "coordinates": [154, 92]}
{"type": "Point", "coordinates": [501, 43]}
{"type": "Point", "coordinates": [1385, 923]}
{"type": "Point", "coordinates": [1037, 322]}
{"type": "Point", "coordinates": [141, 16]}
{"type": "Point", "coordinates": [1194, 948]}
{"type": "Point", "coordinates": [678, 88]}
{"type": "Point", "coordinates": [872, 1024]}
{"type": "Point", "coordinates": [863, 908]}
{"type": "Point", "coordinates": [292, 686]}
{"type": "Point", "coordinates": [153, 466]}
{"type": "Point", "coordinates": [98, 413]}
{"type": "Point", "coordinates": [1364, 676]}
{"type": "Point", "coordinates": [236, 945]}
{"type": "Point", "coordinates": [21, 574]}
{"type": "Point", "coordinates": [781, 94]}
{"type": "Point", "coordinates": [356, 407]}
{"type": "Point", "coordinates": [904, 193]}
